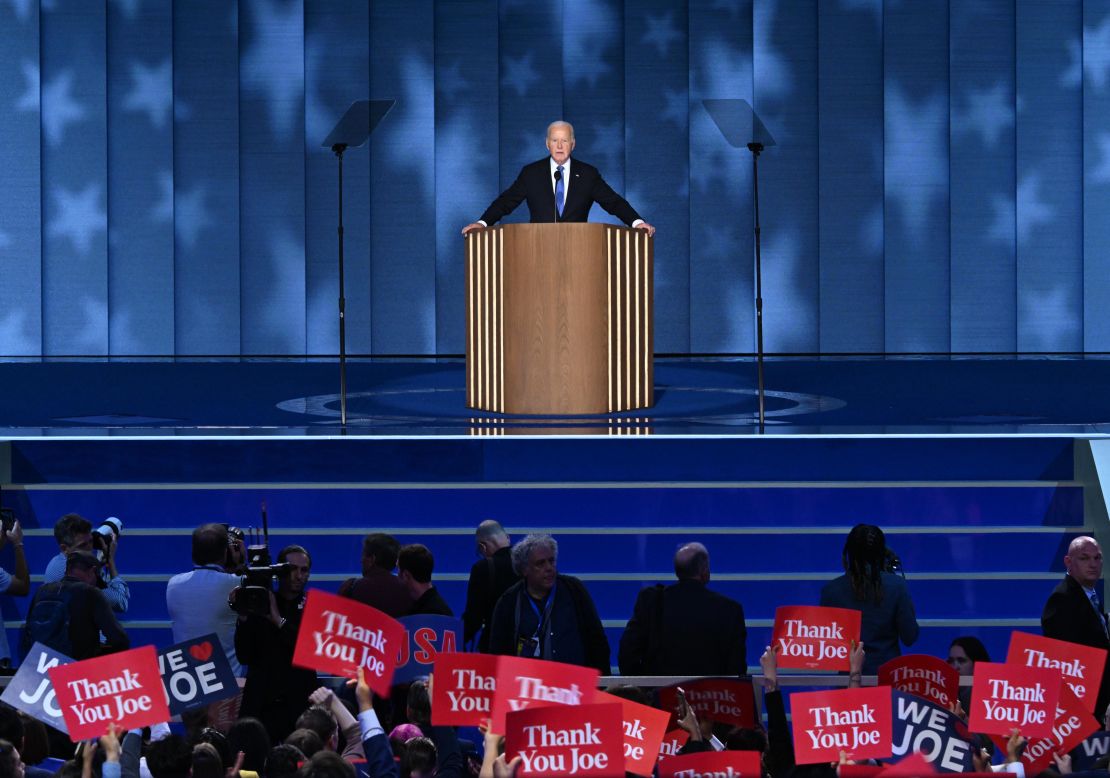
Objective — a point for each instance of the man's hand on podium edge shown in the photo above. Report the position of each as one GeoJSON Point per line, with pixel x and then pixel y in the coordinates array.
{"type": "Point", "coordinates": [472, 227]}
{"type": "Point", "coordinates": [647, 227]}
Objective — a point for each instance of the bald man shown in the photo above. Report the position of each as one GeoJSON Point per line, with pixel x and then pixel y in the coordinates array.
{"type": "Point", "coordinates": [1074, 611]}
{"type": "Point", "coordinates": [685, 628]}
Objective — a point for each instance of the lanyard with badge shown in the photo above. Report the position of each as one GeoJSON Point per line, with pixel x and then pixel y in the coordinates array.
{"type": "Point", "coordinates": [532, 646]}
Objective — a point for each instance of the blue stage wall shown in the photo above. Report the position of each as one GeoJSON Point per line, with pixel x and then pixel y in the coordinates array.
{"type": "Point", "coordinates": [940, 182]}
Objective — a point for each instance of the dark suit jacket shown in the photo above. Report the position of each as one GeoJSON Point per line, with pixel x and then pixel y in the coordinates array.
{"type": "Point", "coordinates": [1068, 615]}
{"type": "Point", "coordinates": [585, 186]}
{"type": "Point", "coordinates": [691, 631]}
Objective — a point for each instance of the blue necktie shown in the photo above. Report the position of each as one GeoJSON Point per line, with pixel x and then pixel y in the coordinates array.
{"type": "Point", "coordinates": [1093, 597]}
{"type": "Point", "coordinates": [559, 191]}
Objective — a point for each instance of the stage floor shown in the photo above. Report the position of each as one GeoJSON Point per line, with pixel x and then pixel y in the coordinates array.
{"type": "Point", "coordinates": [426, 397]}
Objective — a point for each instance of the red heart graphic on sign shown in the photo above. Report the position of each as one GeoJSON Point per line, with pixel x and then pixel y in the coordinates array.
{"type": "Point", "coordinates": [201, 651]}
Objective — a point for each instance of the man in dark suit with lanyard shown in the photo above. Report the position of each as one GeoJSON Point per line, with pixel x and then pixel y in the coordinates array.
{"type": "Point", "coordinates": [1074, 610]}
{"type": "Point", "coordinates": [560, 190]}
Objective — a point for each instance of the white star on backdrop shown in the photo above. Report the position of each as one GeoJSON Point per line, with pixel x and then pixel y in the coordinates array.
{"type": "Point", "coordinates": [450, 82]}
{"type": "Point", "coordinates": [29, 100]}
{"type": "Point", "coordinates": [1057, 326]}
{"type": "Point", "coordinates": [585, 44]}
{"type": "Point", "coordinates": [607, 144]}
{"type": "Point", "coordinates": [520, 74]}
{"type": "Point", "coordinates": [184, 209]}
{"type": "Point", "coordinates": [151, 91]}
{"type": "Point", "coordinates": [661, 33]}
{"type": "Point", "coordinates": [1032, 210]}
{"type": "Point", "coordinates": [916, 154]}
{"type": "Point", "coordinates": [1100, 173]}
{"type": "Point", "coordinates": [988, 112]}
{"type": "Point", "coordinates": [78, 216]}
{"type": "Point", "coordinates": [1017, 219]}
{"type": "Point", "coordinates": [5, 240]}
{"type": "Point", "coordinates": [129, 8]}
{"type": "Point", "coordinates": [677, 109]}
{"type": "Point", "coordinates": [270, 67]}
{"type": "Point", "coordinates": [14, 337]}
{"type": "Point", "coordinates": [59, 109]}
{"type": "Point", "coordinates": [585, 62]}
{"type": "Point", "coordinates": [1090, 60]}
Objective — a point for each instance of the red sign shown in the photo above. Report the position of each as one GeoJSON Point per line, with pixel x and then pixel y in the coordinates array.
{"type": "Point", "coordinates": [855, 721]}
{"type": "Point", "coordinates": [531, 683]}
{"type": "Point", "coordinates": [464, 688]}
{"type": "Point", "coordinates": [814, 638]}
{"type": "Point", "coordinates": [673, 742]}
{"type": "Point", "coordinates": [723, 700]}
{"type": "Point", "coordinates": [125, 688]}
{"type": "Point", "coordinates": [712, 764]}
{"type": "Point", "coordinates": [339, 635]}
{"type": "Point", "coordinates": [1072, 726]}
{"type": "Point", "coordinates": [922, 675]}
{"type": "Point", "coordinates": [644, 728]}
{"type": "Point", "coordinates": [1006, 697]}
{"type": "Point", "coordinates": [584, 740]}
{"type": "Point", "coordinates": [1081, 666]}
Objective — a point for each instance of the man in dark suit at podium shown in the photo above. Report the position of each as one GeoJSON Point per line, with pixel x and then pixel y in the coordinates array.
{"type": "Point", "coordinates": [560, 190]}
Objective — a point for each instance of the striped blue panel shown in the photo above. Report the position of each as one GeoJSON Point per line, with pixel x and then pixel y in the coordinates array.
{"type": "Point", "coordinates": [1049, 205]}
{"type": "Point", "coordinates": [657, 182]}
{"type": "Point", "coordinates": [272, 169]}
{"type": "Point", "coordinates": [850, 174]}
{"type": "Point", "coordinates": [1016, 599]}
{"type": "Point", "coordinates": [593, 88]}
{"type": "Point", "coordinates": [916, 160]}
{"type": "Point", "coordinates": [530, 66]}
{"type": "Point", "coordinates": [722, 299]}
{"type": "Point", "coordinates": [982, 169]}
{"type": "Point", "coordinates": [402, 176]}
{"type": "Point", "coordinates": [522, 460]}
{"type": "Point", "coordinates": [205, 179]}
{"type": "Point", "coordinates": [466, 148]}
{"type": "Point", "coordinates": [814, 551]}
{"type": "Point", "coordinates": [74, 178]}
{"type": "Point", "coordinates": [337, 72]}
{"type": "Point", "coordinates": [786, 99]}
{"type": "Point", "coordinates": [459, 510]}
{"type": "Point", "coordinates": [140, 192]}
{"type": "Point", "coordinates": [20, 186]}
{"type": "Point", "coordinates": [1096, 174]}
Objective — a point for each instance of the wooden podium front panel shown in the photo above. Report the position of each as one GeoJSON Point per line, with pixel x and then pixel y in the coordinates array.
{"type": "Point", "coordinates": [630, 332]}
{"type": "Point", "coordinates": [555, 320]}
{"type": "Point", "coordinates": [485, 316]}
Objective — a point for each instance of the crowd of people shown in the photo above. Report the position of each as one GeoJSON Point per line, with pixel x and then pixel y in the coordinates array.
{"type": "Point", "coordinates": [517, 604]}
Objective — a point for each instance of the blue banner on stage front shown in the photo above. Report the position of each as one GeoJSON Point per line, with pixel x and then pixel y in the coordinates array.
{"type": "Point", "coordinates": [30, 689]}
{"type": "Point", "coordinates": [429, 636]}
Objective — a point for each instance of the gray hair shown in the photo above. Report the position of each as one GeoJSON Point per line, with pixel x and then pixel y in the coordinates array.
{"type": "Point", "coordinates": [524, 548]}
{"type": "Point", "coordinates": [489, 530]}
{"type": "Point", "coordinates": [560, 123]}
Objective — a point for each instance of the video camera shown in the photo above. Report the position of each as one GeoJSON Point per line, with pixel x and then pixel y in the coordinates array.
{"type": "Point", "coordinates": [256, 583]}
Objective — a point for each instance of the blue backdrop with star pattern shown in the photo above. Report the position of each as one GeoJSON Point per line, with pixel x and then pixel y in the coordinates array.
{"type": "Point", "coordinates": [941, 181]}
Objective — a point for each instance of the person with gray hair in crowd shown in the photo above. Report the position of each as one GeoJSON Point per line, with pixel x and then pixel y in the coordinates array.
{"type": "Point", "coordinates": [490, 577]}
{"type": "Point", "coordinates": [547, 615]}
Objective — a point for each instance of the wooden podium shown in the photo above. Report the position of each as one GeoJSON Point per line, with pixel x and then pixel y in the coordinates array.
{"type": "Point", "coordinates": [559, 319]}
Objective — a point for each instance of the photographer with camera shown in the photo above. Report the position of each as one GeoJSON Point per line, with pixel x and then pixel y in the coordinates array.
{"type": "Point", "coordinates": [276, 693]}
{"type": "Point", "coordinates": [197, 601]}
{"type": "Point", "coordinates": [73, 532]}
